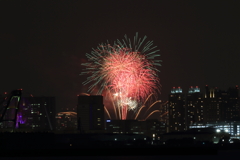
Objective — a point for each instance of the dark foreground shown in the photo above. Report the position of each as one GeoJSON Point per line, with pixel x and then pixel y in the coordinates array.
{"type": "Point", "coordinates": [56, 155]}
{"type": "Point", "coordinates": [126, 153]}
{"type": "Point", "coordinates": [72, 146]}
{"type": "Point", "coordinates": [118, 151]}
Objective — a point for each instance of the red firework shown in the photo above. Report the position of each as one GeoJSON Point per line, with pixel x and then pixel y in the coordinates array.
{"type": "Point", "coordinates": [129, 74]}
{"type": "Point", "coordinates": [126, 70]}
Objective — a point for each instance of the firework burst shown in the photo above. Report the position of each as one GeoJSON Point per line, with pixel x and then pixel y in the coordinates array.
{"type": "Point", "coordinates": [128, 70]}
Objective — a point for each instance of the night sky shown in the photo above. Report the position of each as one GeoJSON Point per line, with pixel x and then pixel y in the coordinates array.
{"type": "Point", "coordinates": [43, 43]}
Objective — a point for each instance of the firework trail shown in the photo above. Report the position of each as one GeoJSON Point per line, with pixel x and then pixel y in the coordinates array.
{"type": "Point", "coordinates": [107, 112]}
{"type": "Point", "coordinates": [139, 110]}
{"type": "Point", "coordinates": [158, 101]}
{"type": "Point", "coordinates": [127, 69]}
{"type": "Point", "coordinates": [151, 114]}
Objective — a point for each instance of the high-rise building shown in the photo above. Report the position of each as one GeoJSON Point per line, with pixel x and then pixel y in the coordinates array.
{"type": "Point", "coordinates": [37, 114]}
{"type": "Point", "coordinates": [194, 106]}
{"type": "Point", "coordinates": [213, 104]}
{"type": "Point", "coordinates": [231, 110]}
{"type": "Point", "coordinates": [176, 110]}
{"type": "Point", "coordinates": [164, 112]}
{"type": "Point", "coordinates": [90, 113]}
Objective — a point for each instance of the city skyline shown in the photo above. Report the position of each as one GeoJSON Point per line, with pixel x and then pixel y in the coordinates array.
{"type": "Point", "coordinates": [44, 43]}
{"type": "Point", "coordinates": [150, 108]}
{"type": "Point", "coordinates": [199, 118]}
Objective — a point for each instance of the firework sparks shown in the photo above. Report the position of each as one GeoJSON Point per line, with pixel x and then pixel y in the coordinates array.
{"type": "Point", "coordinates": [127, 70]}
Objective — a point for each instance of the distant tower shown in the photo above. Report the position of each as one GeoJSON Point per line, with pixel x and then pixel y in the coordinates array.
{"type": "Point", "coordinates": [176, 110]}
{"type": "Point", "coordinates": [221, 105]}
{"type": "Point", "coordinates": [231, 110]}
{"type": "Point", "coordinates": [194, 106]}
{"type": "Point", "coordinates": [90, 113]}
{"type": "Point", "coordinates": [214, 100]}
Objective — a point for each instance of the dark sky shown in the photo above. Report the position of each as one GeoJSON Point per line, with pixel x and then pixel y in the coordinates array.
{"type": "Point", "coordinates": [42, 43]}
